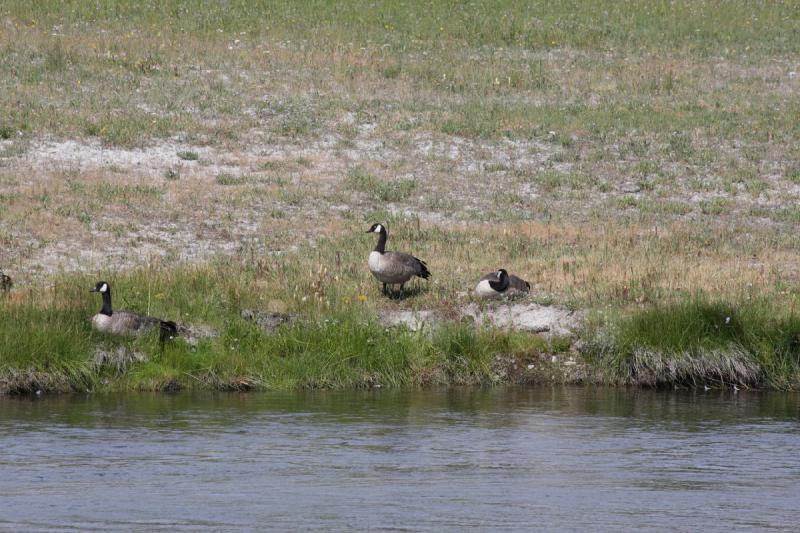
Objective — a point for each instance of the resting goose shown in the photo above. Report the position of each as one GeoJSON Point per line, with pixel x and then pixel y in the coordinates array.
{"type": "Point", "coordinates": [501, 283]}
{"type": "Point", "coordinates": [393, 267]}
{"type": "Point", "coordinates": [127, 323]}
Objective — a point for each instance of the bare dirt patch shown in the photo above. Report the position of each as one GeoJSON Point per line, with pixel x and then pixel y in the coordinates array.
{"type": "Point", "coordinates": [532, 317]}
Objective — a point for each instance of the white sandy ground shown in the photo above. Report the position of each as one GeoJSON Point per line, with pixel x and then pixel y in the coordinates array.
{"type": "Point", "coordinates": [225, 231]}
{"type": "Point", "coordinates": [523, 316]}
{"type": "Point", "coordinates": [460, 171]}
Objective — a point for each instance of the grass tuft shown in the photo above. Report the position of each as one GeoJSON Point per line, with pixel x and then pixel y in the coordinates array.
{"type": "Point", "coordinates": [701, 341]}
{"type": "Point", "coordinates": [358, 179]}
{"type": "Point", "coordinates": [187, 155]}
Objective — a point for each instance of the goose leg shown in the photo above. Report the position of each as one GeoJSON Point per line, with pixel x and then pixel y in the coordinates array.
{"type": "Point", "coordinates": [397, 294]}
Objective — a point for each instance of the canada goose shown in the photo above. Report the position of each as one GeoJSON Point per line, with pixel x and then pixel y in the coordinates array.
{"type": "Point", "coordinates": [501, 283]}
{"type": "Point", "coordinates": [393, 267]}
{"type": "Point", "coordinates": [5, 283]}
{"type": "Point", "coordinates": [127, 323]}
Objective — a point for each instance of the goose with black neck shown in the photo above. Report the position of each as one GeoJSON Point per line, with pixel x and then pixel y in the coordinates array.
{"type": "Point", "coordinates": [391, 268]}
{"type": "Point", "coordinates": [501, 284]}
{"type": "Point", "coordinates": [127, 323]}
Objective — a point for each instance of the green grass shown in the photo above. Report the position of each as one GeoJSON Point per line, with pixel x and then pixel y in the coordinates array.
{"type": "Point", "coordinates": [704, 27]}
{"type": "Point", "coordinates": [701, 341]}
{"type": "Point", "coordinates": [715, 206]}
{"type": "Point", "coordinates": [358, 179]}
{"type": "Point", "coordinates": [142, 68]}
{"type": "Point", "coordinates": [230, 179]}
{"type": "Point", "coordinates": [188, 155]}
{"type": "Point", "coordinates": [337, 343]}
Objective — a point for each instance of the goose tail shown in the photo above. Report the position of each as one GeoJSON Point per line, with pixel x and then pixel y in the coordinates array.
{"type": "Point", "coordinates": [424, 273]}
{"type": "Point", "coordinates": [5, 282]}
{"type": "Point", "coordinates": [167, 330]}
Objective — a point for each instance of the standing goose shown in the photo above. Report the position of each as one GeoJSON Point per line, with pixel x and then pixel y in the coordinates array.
{"type": "Point", "coordinates": [501, 283]}
{"type": "Point", "coordinates": [127, 323]}
{"type": "Point", "coordinates": [393, 267]}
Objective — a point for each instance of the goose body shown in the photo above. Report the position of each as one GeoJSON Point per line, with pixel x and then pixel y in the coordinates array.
{"type": "Point", "coordinates": [124, 323]}
{"type": "Point", "coordinates": [391, 268]}
{"type": "Point", "coordinates": [501, 284]}
{"type": "Point", "coordinates": [127, 323]}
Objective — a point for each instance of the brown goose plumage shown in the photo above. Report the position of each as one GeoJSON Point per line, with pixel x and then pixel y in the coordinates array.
{"type": "Point", "coordinates": [501, 283]}
{"type": "Point", "coordinates": [393, 267]}
{"type": "Point", "coordinates": [127, 323]}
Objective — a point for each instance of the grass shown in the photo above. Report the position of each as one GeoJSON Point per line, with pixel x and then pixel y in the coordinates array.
{"type": "Point", "coordinates": [473, 72]}
{"type": "Point", "coordinates": [358, 179]}
{"type": "Point", "coordinates": [622, 157]}
{"type": "Point", "coordinates": [338, 343]}
{"type": "Point", "coordinates": [702, 341]}
{"type": "Point", "coordinates": [230, 179]}
{"type": "Point", "coordinates": [188, 155]}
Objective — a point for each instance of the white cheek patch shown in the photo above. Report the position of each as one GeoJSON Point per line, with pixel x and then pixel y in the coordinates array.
{"type": "Point", "coordinates": [378, 228]}
{"type": "Point", "coordinates": [104, 288]}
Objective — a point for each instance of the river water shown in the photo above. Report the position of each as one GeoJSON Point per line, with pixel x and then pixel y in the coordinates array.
{"type": "Point", "coordinates": [584, 459]}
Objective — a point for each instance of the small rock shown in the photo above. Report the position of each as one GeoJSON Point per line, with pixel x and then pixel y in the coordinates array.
{"type": "Point", "coordinates": [413, 320]}
{"type": "Point", "coordinates": [119, 358]}
{"type": "Point", "coordinates": [527, 317]}
{"type": "Point", "coordinates": [266, 320]}
{"type": "Point", "coordinates": [194, 333]}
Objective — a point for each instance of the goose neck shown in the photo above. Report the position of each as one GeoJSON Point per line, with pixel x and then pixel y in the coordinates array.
{"type": "Point", "coordinates": [499, 285]}
{"type": "Point", "coordinates": [381, 246]}
{"type": "Point", "coordinates": [106, 310]}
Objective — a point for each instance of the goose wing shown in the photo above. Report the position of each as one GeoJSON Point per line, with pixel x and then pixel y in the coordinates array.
{"type": "Point", "coordinates": [491, 276]}
{"type": "Point", "coordinates": [403, 264]}
{"type": "Point", "coordinates": [130, 323]}
{"type": "Point", "coordinates": [518, 283]}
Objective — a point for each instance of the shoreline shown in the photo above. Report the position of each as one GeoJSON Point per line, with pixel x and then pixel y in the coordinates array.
{"type": "Point", "coordinates": [233, 338]}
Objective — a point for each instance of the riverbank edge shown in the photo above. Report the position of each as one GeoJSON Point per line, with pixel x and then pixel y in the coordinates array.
{"type": "Point", "coordinates": [232, 338]}
{"type": "Point", "coordinates": [550, 361]}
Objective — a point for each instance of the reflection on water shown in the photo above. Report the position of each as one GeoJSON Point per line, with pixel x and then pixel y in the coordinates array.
{"type": "Point", "coordinates": [506, 458]}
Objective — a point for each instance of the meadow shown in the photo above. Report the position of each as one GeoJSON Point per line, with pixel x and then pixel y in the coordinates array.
{"type": "Point", "coordinates": [637, 161]}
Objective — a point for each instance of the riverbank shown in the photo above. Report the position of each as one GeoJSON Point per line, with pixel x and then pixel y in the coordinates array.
{"type": "Point", "coordinates": [250, 327]}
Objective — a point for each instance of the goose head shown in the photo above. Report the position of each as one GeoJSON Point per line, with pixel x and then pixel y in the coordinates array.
{"type": "Point", "coordinates": [377, 228]}
{"type": "Point", "coordinates": [502, 275]}
{"type": "Point", "coordinates": [101, 287]}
